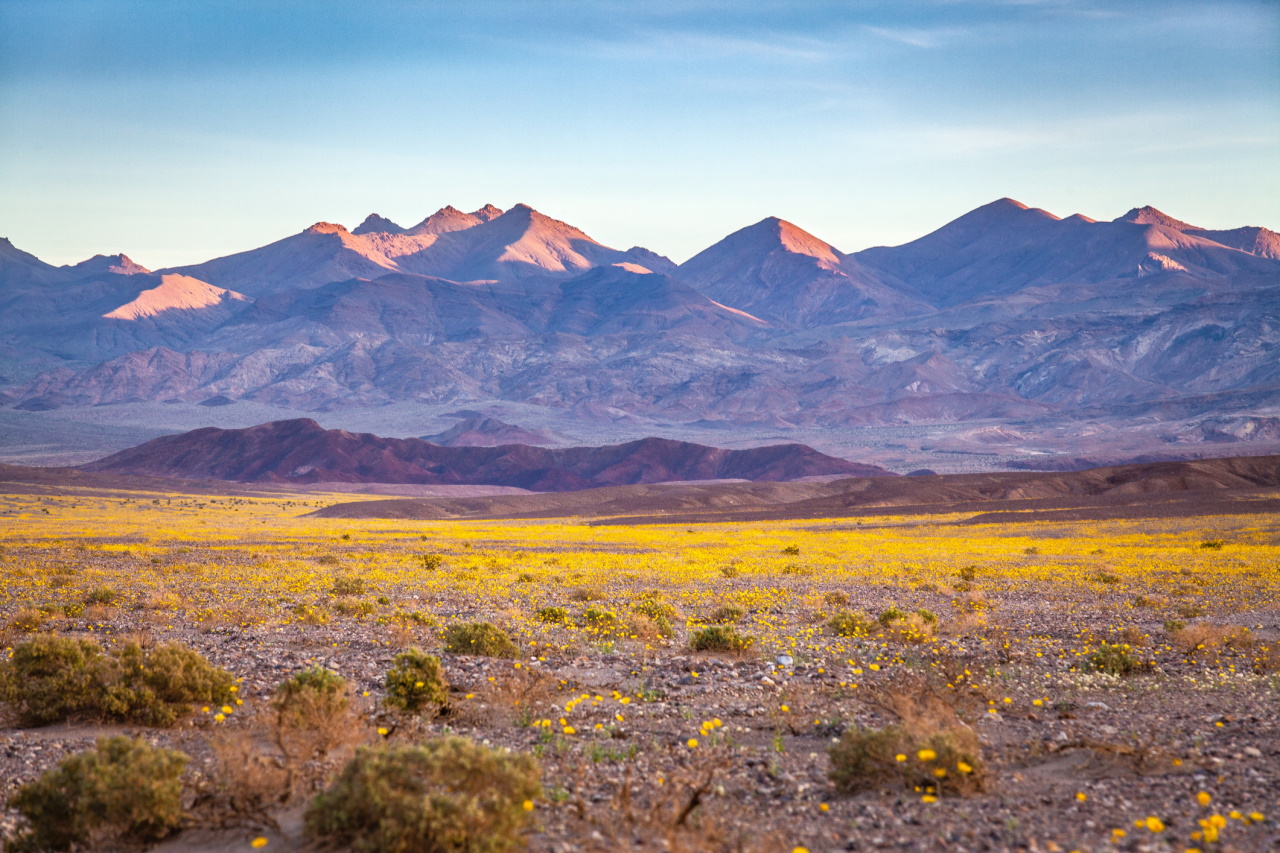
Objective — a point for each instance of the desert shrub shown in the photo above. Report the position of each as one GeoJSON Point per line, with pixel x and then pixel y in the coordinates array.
{"type": "Point", "coordinates": [1266, 658]}
{"type": "Point", "coordinates": [892, 613]}
{"type": "Point", "coordinates": [586, 593]}
{"type": "Point", "coordinates": [1189, 611]}
{"type": "Point", "coordinates": [726, 614]}
{"type": "Point", "coordinates": [851, 623]}
{"type": "Point", "coordinates": [52, 678]}
{"type": "Point", "coordinates": [1105, 577]}
{"type": "Point", "coordinates": [123, 790]}
{"type": "Point", "coordinates": [913, 628]}
{"type": "Point", "coordinates": [968, 573]}
{"type": "Point", "coordinates": [448, 795]}
{"type": "Point", "coordinates": [311, 615]}
{"type": "Point", "coordinates": [313, 715]}
{"type": "Point", "coordinates": [1115, 659]}
{"type": "Point", "coordinates": [431, 562]}
{"type": "Point", "coordinates": [553, 615]}
{"type": "Point", "coordinates": [795, 569]}
{"type": "Point", "coordinates": [642, 627]}
{"type": "Point", "coordinates": [973, 601]}
{"type": "Point", "coordinates": [416, 682]}
{"type": "Point", "coordinates": [929, 748]}
{"type": "Point", "coordinates": [101, 595]}
{"type": "Point", "coordinates": [349, 585]}
{"type": "Point", "coordinates": [479, 638]}
{"type": "Point", "coordinates": [298, 698]}
{"type": "Point", "coordinates": [720, 638]}
{"type": "Point", "coordinates": [358, 608]}
{"type": "Point", "coordinates": [730, 571]}
{"type": "Point", "coordinates": [1206, 636]}
{"type": "Point", "coordinates": [939, 762]}
{"type": "Point", "coordinates": [26, 621]}
{"type": "Point", "coordinates": [1133, 635]}
{"type": "Point", "coordinates": [792, 550]}
{"type": "Point", "coordinates": [928, 616]}
{"type": "Point", "coordinates": [598, 617]}
{"type": "Point", "coordinates": [1212, 544]}
{"type": "Point", "coordinates": [835, 598]}
{"type": "Point", "coordinates": [1174, 625]}
{"type": "Point", "coordinates": [654, 609]}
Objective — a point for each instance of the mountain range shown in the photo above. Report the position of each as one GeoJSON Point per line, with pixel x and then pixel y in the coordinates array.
{"type": "Point", "coordinates": [302, 451]}
{"type": "Point", "coordinates": [1008, 314]}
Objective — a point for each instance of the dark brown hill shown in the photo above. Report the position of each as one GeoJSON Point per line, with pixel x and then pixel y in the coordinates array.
{"type": "Point", "coordinates": [1204, 487]}
{"type": "Point", "coordinates": [301, 451]}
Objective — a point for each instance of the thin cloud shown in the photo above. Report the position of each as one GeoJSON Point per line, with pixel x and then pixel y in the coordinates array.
{"type": "Point", "coordinates": [915, 36]}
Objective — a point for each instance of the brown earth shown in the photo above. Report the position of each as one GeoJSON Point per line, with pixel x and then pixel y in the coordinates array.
{"type": "Point", "coordinates": [1238, 484]}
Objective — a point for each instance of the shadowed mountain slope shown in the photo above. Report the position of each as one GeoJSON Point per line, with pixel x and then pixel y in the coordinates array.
{"type": "Point", "coordinates": [1004, 247]}
{"type": "Point", "coordinates": [779, 272]}
{"type": "Point", "coordinates": [302, 451]}
{"type": "Point", "coordinates": [491, 432]}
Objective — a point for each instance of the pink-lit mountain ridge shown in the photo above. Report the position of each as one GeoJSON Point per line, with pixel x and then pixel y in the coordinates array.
{"type": "Point", "coordinates": [1006, 312]}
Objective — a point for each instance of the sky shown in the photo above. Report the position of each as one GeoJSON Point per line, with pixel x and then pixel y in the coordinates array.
{"type": "Point", "coordinates": [180, 131]}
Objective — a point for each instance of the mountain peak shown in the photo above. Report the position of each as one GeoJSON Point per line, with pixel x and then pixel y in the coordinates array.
{"type": "Point", "coordinates": [1148, 215]}
{"type": "Point", "coordinates": [377, 224]}
{"type": "Point", "coordinates": [327, 228]}
{"type": "Point", "coordinates": [445, 220]}
{"type": "Point", "coordinates": [118, 264]}
{"type": "Point", "coordinates": [487, 212]}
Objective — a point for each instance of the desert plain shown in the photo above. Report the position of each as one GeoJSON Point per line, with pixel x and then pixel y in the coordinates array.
{"type": "Point", "coordinates": [875, 680]}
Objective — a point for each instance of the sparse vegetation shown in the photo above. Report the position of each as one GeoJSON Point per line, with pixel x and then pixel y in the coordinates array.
{"type": "Point", "coordinates": [416, 683]}
{"type": "Point", "coordinates": [774, 677]}
{"type": "Point", "coordinates": [448, 795]}
{"type": "Point", "coordinates": [720, 638]}
{"type": "Point", "coordinates": [122, 791]}
{"type": "Point", "coordinates": [1116, 659]}
{"type": "Point", "coordinates": [851, 623]}
{"type": "Point", "coordinates": [51, 678]}
{"type": "Point", "coordinates": [479, 638]}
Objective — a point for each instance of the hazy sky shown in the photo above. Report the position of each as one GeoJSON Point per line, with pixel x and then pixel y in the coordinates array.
{"type": "Point", "coordinates": [179, 131]}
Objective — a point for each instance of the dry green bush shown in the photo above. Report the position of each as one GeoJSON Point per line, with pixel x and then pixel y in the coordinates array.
{"type": "Point", "coordinates": [552, 615]}
{"type": "Point", "coordinates": [586, 593]}
{"type": "Point", "coordinates": [349, 585]}
{"type": "Point", "coordinates": [654, 609]}
{"type": "Point", "coordinates": [513, 697]}
{"type": "Point", "coordinates": [726, 614]}
{"type": "Point", "coordinates": [101, 595]}
{"type": "Point", "coordinates": [835, 598]}
{"type": "Point", "coordinates": [448, 795]}
{"type": "Point", "coordinates": [313, 714]}
{"type": "Point", "coordinates": [930, 748]}
{"type": "Point", "coordinates": [720, 638]}
{"type": "Point", "coordinates": [479, 638]}
{"type": "Point", "coordinates": [851, 623]}
{"type": "Point", "coordinates": [913, 628]}
{"type": "Point", "coordinates": [1205, 636]}
{"type": "Point", "coordinates": [121, 791]}
{"type": "Point", "coordinates": [51, 678]}
{"type": "Point", "coordinates": [358, 608]}
{"type": "Point", "coordinates": [1116, 659]}
{"type": "Point", "coordinates": [416, 683]}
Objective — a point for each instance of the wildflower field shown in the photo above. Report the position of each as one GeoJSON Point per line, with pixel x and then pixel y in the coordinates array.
{"type": "Point", "coordinates": [875, 683]}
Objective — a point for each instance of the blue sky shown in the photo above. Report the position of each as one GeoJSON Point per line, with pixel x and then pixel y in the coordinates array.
{"type": "Point", "coordinates": [179, 131]}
